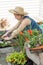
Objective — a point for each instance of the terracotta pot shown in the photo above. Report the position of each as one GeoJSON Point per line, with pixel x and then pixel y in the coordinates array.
{"type": "Point", "coordinates": [37, 48]}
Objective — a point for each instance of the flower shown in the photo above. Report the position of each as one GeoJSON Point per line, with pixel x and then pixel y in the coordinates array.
{"type": "Point", "coordinates": [21, 33]}
{"type": "Point", "coordinates": [30, 32]}
{"type": "Point", "coordinates": [30, 35]}
{"type": "Point", "coordinates": [26, 39]}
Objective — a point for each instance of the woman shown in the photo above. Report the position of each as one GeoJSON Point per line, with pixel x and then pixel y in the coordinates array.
{"type": "Point", "coordinates": [25, 23]}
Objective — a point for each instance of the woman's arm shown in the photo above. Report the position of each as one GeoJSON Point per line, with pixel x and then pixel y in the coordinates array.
{"type": "Point", "coordinates": [15, 27]}
{"type": "Point", "coordinates": [24, 23]}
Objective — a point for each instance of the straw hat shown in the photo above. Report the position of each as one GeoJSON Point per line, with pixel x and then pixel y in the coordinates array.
{"type": "Point", "coordinates": [18, 10]}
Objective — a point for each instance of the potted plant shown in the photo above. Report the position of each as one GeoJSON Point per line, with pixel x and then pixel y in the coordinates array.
{"type": "Point", "coordinates": [29, 35]}
{"type": "Point", "coordinates": [17, 58]}
{"type": "Point", "coordinates": [33, 37]}
{"type": "Point", "coordinates": [36, 40]}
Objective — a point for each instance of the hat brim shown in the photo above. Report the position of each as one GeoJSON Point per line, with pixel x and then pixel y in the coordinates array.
{"type": "Point", "coordinates": [14, 12]}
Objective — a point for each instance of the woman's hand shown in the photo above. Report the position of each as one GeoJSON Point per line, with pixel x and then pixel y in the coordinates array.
{"type": "Point", "coordinates": [6, 38]}
{"type": "Point", "coordinates": [5, 35]}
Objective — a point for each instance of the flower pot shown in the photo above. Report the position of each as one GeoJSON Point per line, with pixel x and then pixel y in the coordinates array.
{"type": "Point", "coordinates": [37, 48]}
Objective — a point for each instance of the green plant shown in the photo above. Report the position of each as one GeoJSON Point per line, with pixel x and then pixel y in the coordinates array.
{"type": "Point", "coordinates": [29, 35]}
{"type": "Point", "coordinates": [34, 36]}
{"type": "Point", "coordinates": [36, 40]}
{"type": "Point", "coordinates": [4, 44]}
{"type": "Point", "coordinates": [17, 58]}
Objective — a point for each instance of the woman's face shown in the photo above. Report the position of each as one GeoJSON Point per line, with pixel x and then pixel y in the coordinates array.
{"type": "Point", "coordinates": [17, 16]}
